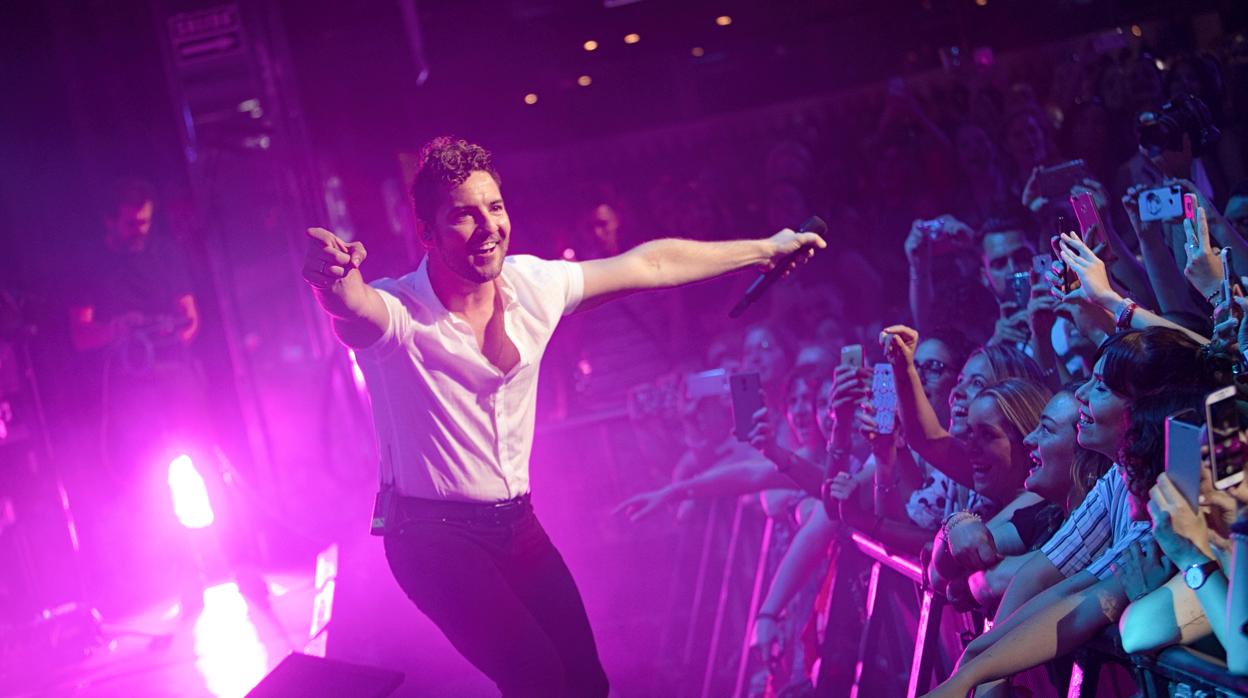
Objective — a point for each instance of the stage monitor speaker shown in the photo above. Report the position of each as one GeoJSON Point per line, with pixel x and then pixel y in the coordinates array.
{"type": "Point", "coordinates": [306, 676]}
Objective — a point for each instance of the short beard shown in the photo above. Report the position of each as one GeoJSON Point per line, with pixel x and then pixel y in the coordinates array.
{"type": "Point", "coordinates": [461, 268]}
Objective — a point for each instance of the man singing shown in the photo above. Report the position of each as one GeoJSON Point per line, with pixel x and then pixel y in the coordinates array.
{"type": "Point", "coordinates": [450, 352]}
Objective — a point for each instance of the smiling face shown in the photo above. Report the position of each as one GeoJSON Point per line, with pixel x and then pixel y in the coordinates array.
{"type": "Point", "coordinates": [763, 354]}
{"type": "Point", "coordinates": [998, 464]}
{"type": "Point", "coordinates": [801, 413]}
{"type": "Point", "coordinates": [1052, 447]}
{"type": "Point", "coordinates": [1102, 414]}
{"type": "Point", "coordinates": [934, 361]}
{"type": "Point", "coordinates": [1005, 253]}
{"type": "Point", "coordinates": [471, 231]}
{"type": "Point", "coordinates": [976, 375]}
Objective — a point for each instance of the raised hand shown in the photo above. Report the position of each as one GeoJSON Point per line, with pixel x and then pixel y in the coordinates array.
{"type": "Point", "coordinates": [786, 242]}
{"type": "Point", "coordinates": [1031, 193]}
{"type": "Point", "coordinates": [899, 343]}
{"type": "Point", "coordinates": [1203, 269]}
{"type": "Point", "coordinates": [1012, 327]}
{"type": "Point", "coordinates": [762, 436]}
{"type": "Point", "coordinates": [1141, 569]}
{"type": "Point", "coordinates": [330, 259]}
{"type": "Point", "coordinates": [1041, 311]}
{"type": "Point", "coordinates": [1180, 532]}
{"type": "Point", "coordinates": [1093, 277]}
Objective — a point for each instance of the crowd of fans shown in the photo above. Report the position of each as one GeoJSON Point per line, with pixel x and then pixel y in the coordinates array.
{"type": "Point", "coordinates": [1035, 354]}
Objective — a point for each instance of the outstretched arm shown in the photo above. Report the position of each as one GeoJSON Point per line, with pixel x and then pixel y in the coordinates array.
{"type": "Point", "coordinates": [673, 262]}
{"type": "Point", "coordinates": [1052, 631]}
{"type": "Point", "coordinates": [332, 268]}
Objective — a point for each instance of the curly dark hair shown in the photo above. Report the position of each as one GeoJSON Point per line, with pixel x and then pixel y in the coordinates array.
{"type": "Point", "coordinates": [1139, 363]}
{"type": "Point", "coordinates": [1143, 450]}
{"type": "Point", "coordinates": [1159, 371]}
{"type": "Point", "coordinates": [446, 162]}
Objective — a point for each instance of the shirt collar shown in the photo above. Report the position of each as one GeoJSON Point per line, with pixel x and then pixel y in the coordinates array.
{"type": "Point", "coordinates": [424, 288]}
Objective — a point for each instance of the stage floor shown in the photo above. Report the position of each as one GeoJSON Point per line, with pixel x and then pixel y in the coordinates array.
{"type": "Point", "coordinates": [223, 651]}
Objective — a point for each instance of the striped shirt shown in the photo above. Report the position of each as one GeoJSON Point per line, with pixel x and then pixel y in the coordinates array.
{"type": "Point", "coordinates": [1098, 531]}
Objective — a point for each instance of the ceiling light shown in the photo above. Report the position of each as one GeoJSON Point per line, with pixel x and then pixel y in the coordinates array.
{"type": "Point", "coordinates": [590, 45]}
{"type": "Point", "coordinates": [584, 81]}
{"type": "Point", "coordinates": [723, 20]}
{"type": "Point", "coordinates": [632, 38]}
{"type": "Point", "coordinates": [697, 52]}
{"type": "Point", "coordinates": [530, 98]}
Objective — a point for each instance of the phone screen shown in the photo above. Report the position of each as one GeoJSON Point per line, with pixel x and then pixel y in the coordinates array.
{"type": "Point", "coordinates": [1226, 439]}
{"type": "Point", "coordinates": [1020, 289]}
{"type": "Point", "coordinates": [851, 355]}
{"type": "Point", "coordinates": [747, 398]}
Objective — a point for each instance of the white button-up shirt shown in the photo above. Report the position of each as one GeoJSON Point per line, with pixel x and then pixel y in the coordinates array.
{"type": "Point", "coordinates": [451, 425]}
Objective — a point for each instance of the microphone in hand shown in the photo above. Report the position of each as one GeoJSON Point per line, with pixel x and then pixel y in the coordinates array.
{"type": "Point", "coordinates": [791, 249]}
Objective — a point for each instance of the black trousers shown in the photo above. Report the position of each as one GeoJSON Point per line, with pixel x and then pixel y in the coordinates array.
{"type": "Point", "coordinates": [501, 593]}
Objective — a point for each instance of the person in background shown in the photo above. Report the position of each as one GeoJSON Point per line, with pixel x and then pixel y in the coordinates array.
{"type": "Point", "coordinates": [133, 319]}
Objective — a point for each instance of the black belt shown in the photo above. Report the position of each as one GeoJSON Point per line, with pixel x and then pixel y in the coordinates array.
{"type": "Point", "coordinates": [505, 512]}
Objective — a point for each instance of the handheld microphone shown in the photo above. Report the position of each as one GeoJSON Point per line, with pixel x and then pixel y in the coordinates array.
{"type": "Point", "coordinates": [814, 225]}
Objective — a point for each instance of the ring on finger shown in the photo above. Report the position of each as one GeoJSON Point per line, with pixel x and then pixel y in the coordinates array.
{"type": "Point", "coordinates": [324, 267]}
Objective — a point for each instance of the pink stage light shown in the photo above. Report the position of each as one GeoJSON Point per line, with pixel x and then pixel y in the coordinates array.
{"type": "Point", "coordinates": [229, 652]}
{"type": "Point", "coordinates": [190, 496]}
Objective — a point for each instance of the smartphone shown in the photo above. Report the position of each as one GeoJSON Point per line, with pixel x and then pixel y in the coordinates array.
{"type": "Point", "coordinates": [1087, 215]}
{"type": "Point", "coordinates": [747, 398]}
{"type": "Point", "coordinates": [1063, 226]}
{"type": "Point", "coordinates": [1226, 438]}
{"type": "Point", "coordinates": [706, 384]}
{"type": "Point", "coordinates": [1190, 204]}
{"type": "Point", "coordinates": [1227, 274]}
{"type": "Point", "coordinates": [884, 398]}
{"type": "Point", "coordinates": [1040, 265]}
{"type": "Point", "coordinates": [1161, 204]}
{"type": "Point", "coordinates": [1056, 182]}
{"type": "Point", "coordinates": [1183, 454]}
{"type": "Point", "coordinates": [1020, 289]}
{"type": "Point", "coordinates": [851, 355]}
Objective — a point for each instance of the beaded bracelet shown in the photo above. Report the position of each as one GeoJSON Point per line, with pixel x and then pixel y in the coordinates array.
{"type": "Point", "coordinates": [956, 518]}
{"type": "Point", "coordinates": [1125, 313]}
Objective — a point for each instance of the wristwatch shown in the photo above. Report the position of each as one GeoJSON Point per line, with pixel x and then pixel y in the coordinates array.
{"type": "Point", "coordinates": [1198, 574]}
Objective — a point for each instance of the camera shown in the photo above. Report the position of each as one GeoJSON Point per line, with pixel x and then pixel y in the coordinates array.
{"type": "Point", "coordinates": [1163, 130]}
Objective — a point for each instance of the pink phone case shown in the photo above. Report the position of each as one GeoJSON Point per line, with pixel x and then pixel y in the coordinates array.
{"type": "Point", "coordinates": [1086, 213]}
{"type": "Point", "coordinates": [1189, 206]}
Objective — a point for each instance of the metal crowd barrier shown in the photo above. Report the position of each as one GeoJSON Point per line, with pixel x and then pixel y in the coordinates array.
{"type": "Point", "coordinates": [1174, 672]}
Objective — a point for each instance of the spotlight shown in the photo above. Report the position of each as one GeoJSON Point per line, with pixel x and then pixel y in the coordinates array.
{"type": "Point", "coordinates": [530, 98]}
{"type": "Point", "coordinates": [1136, 31]}
{"type": "Point", "coordinates": [190, 496]}
{"type": "Point", "coordinates": [723, 20]}
{"type": "Point", "coordinates": [981, 3]}
{"type": "Point", "coordinates": [584, 81]}
{"type": "Point", "coordinates": [697, 52]}
{"type": "Point", "coordinates": [632, 38]}
{"type": "Point", "coordinates": [591, 45]}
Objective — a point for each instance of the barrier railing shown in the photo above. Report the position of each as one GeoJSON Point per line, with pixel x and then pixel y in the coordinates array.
{"type": "Point", "coordinates": [1174, 671]}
